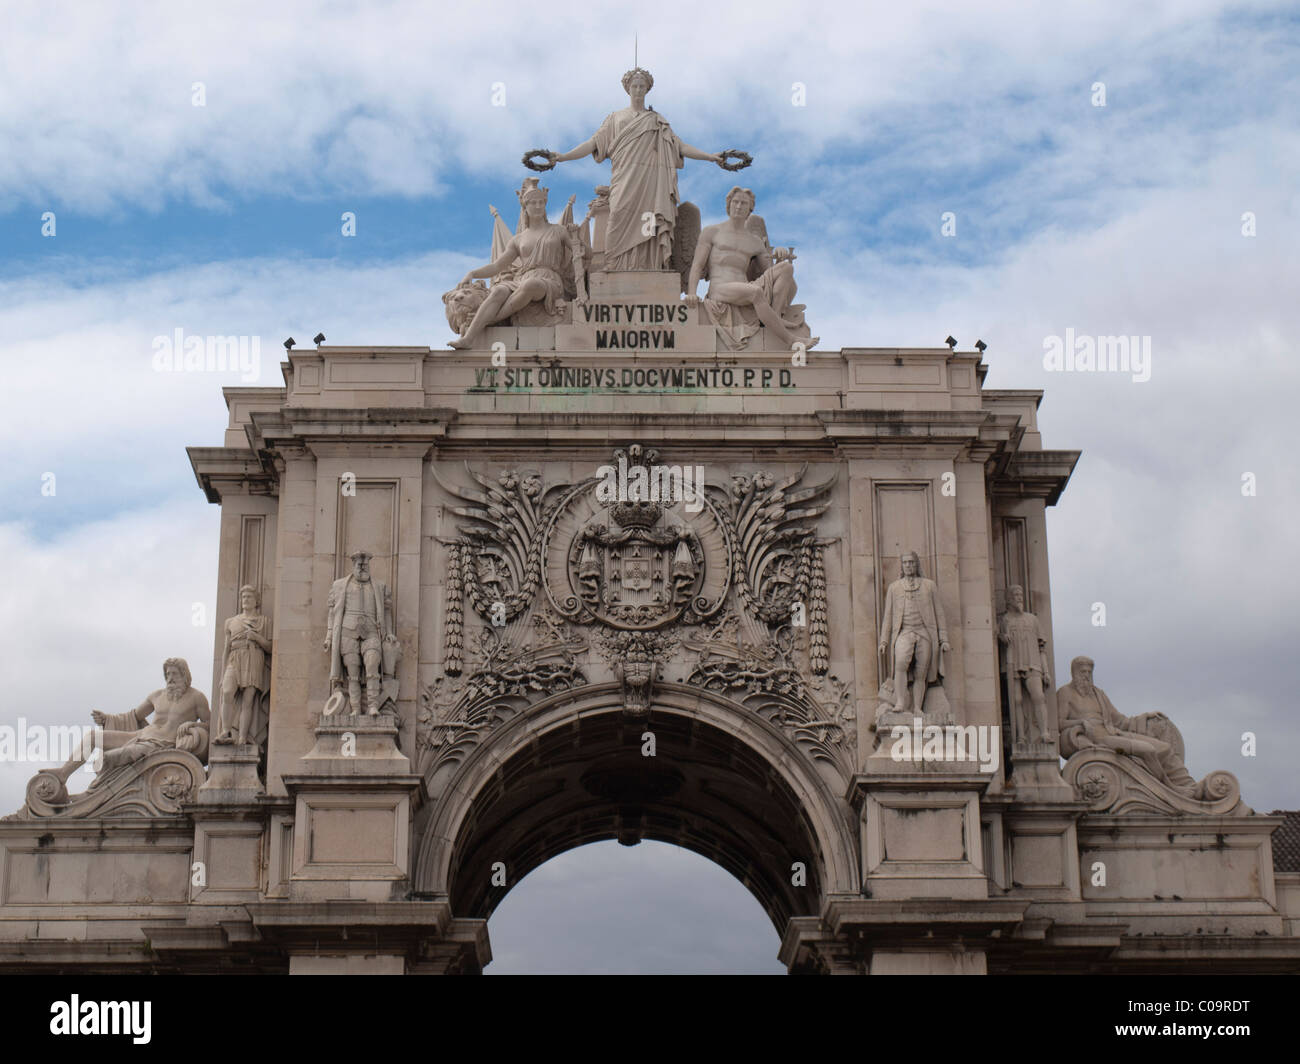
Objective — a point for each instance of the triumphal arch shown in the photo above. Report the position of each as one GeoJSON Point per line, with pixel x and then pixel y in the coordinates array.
{"type": "Point", "coordinates": [634, 558]}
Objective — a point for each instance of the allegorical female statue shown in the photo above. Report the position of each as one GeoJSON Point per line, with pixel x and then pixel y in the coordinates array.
{"type": "Point", "coordinates": [530, 269]}
{"type": "Point", "coordinates": [645, 155]}
{"type": "Point", "coordinates": [246, 674]}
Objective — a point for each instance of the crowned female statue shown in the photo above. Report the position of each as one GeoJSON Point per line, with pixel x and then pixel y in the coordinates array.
{"type": "Point", "coordinates": [529, 270]}
{"type": "Point", "coordinates": [645, 155]}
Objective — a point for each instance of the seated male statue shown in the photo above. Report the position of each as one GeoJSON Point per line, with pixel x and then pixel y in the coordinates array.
{"type": "Point", "coordinates": [180, 717]}
{"type": "Point", "coordinates": [1088, 719]}
{"type": "Point", "coordinates": [749, 281]}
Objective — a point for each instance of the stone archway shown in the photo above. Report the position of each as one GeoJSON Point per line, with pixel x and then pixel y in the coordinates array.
{"type": "Point", "coordinates": [723, 783]}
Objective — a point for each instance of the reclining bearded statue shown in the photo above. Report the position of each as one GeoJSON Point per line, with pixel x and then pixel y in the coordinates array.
{"type": "Point", "coordinates": [1088, 719]}
{"type": "Point", "coordinates": [180, 721]}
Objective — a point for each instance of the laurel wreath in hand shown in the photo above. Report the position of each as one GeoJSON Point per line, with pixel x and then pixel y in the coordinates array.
{"type": "Point", "coordinates": [541, 167]}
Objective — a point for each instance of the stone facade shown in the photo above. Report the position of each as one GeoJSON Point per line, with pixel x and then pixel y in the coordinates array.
{"type": "Point", "coordinates": [542, 627]}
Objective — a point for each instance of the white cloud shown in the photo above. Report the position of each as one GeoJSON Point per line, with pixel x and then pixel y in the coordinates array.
{"type": "Point", "coordinates": [303, 98]}
{"type": "Point", "coordinates": [94, 613]}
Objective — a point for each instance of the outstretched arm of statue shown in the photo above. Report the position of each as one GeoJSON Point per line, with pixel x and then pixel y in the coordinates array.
{"type": "Point", "coordinates": [704, 156]}
{"type": "Point", "coordinates": [585, 148]}
{"type": "Point", "coordinates": [1114, 718]}
{"type": "Point", "coordinates": [131, 720]}
{"type": "Point", "coordinates": [493, 268]}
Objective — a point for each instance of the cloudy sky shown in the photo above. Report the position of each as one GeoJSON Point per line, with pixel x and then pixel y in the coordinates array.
{"type": "Point", "coordinates": [168, 168]}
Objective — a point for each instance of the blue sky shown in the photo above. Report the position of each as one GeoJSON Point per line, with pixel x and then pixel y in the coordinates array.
{"type": "Point", "coordinates": [225, 219]}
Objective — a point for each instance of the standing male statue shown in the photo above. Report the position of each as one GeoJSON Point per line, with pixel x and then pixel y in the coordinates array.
{"type": "Point", "coordinates": [913, 634]}
{"type": "Point", "coordinates": [359, 637]}
{"type": "Point", "coordinates": [245, 676]}
{"type": "Point", "coordinates": [1028, 677]}
{"type": "Point", "coordinates": [645, 156]}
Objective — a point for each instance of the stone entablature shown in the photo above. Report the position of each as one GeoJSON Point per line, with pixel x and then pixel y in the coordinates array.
{"type": "Point", "coordinates": [876, 378]}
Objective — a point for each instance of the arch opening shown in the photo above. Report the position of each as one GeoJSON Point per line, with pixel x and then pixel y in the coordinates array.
{"type": "Point", "coordinates": [587, 782]}
{"type": "Point", "coordinates": [571, 771]}
{"type": "Point", "coordinates": [650, 909]}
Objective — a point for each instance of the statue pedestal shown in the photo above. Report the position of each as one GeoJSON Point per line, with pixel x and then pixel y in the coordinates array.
{"type": "Point", "coordinates": [228, 828]}
{"type": "Point", "coordinates": [1040, 851]}
{"type": "Point", "coordinates": [232, 775]}
{"type": "Point", "coordinates": [921, 835]}
{"type": "Point", "coordinates": [1036, 774]}
{"type": "Point", "coordinates": [359, 744]}
{"type": "Point", "coordinates": [353, 803]}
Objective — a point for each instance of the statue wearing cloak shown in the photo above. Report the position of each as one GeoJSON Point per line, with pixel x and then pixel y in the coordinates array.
{"type": "Point", "coordinates": [645, 155]}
